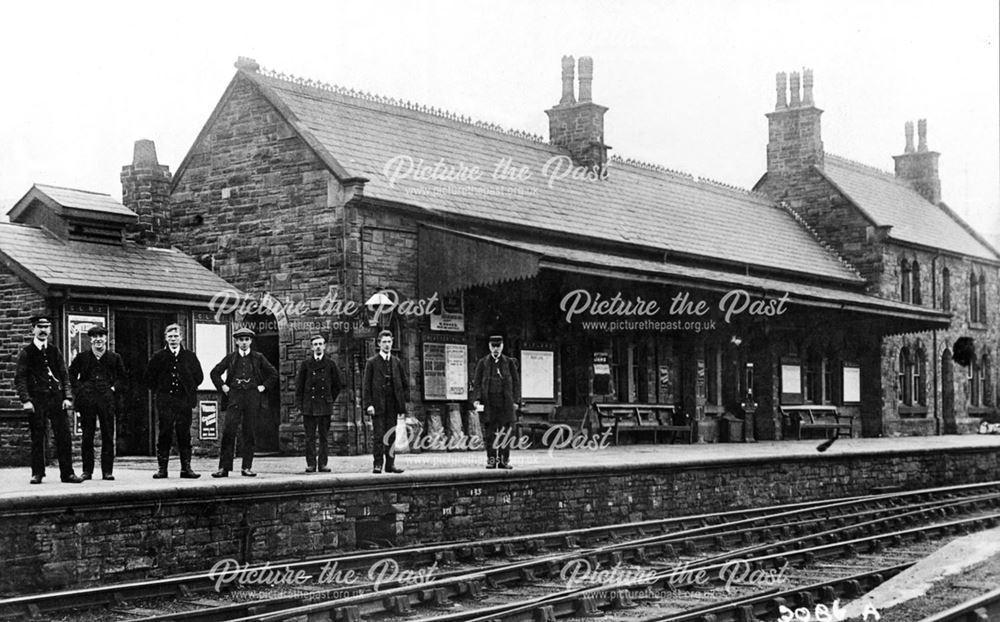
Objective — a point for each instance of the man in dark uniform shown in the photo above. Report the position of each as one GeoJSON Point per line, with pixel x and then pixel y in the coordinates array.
{"type": "Point", "coordinates": [96, 375]}
{"type": "Point", "coordinates": [44, 390]}
{"type": "Point", "coordinates": [173, 374]}
{"type": "Point", "coordinates": [248, 375]}
{"type": "Point", "coordinates": [497, 387]}
{"type": "Point", "coordinates": [317, 385]}
{"type": "Point", "coordinates": [385, 391]}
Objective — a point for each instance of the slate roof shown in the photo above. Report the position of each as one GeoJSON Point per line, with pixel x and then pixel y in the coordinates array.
{"type": "Point", "coordinates": [888, 201]}
{"type": "Point", "coordinates": [72, 199]}
{"type": "Point", "coordinates": [638, 205]}
{"type": "Point", "coordinates": [105, 267]}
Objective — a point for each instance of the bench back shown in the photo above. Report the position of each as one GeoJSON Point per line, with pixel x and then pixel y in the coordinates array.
{"type": "Point", "coordinates": [809, 413]}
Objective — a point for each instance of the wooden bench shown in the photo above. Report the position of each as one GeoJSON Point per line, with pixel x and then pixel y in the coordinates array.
{"type": "Point", "coordinates": [810, 417]}
{"type": "Point", "coordinates": [641, 418]}
{"type": "Point", "coordinates": [537, 419]}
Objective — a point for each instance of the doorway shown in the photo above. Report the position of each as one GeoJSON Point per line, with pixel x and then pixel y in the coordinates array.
{"type": "Point", "coordinates": [137, 337]}
{"type": "Point", "coordinates": [267, 426]}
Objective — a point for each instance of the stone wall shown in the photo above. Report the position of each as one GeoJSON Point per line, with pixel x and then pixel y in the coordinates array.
{"type": "Point", "coordinates": [254, 201]}
{"type": "Point", "coordinates": [60, 542]}
{"type": "Point", "coordinates": [18, 302]}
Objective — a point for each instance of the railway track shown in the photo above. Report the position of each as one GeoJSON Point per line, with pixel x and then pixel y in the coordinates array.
{"type": "Point", "coordinates": [763, 539]}
{"type": "Point", "coordinates": [981, 609]}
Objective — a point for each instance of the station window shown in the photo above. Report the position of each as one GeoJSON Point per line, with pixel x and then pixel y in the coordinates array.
{"type": "Point", "coordinates": [975, 383]}
{"type": "Point", "coordinates": [904, 373]}
{"type": "Point", "coordinates": [918, 375]}
{"type": "Point", "coordinates": [904, 280]}
{"type": "Point", "coordinates": [945, 290]}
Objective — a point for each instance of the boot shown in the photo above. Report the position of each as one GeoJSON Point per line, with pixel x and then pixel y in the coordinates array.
{"type": "Point", "coordinates": [503, 460]}
{"type": "Point", "coordinates": [186, 471]}
{"type": "Point", "coordinates": [161, 462]}
{"type": "Point", "coordinates": [390, 466]}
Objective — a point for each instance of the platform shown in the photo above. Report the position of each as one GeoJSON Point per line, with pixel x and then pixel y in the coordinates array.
{"type": "Point", "coordinates": [135, 473]}
{"type": "Point", "coordinates": [59, 535]}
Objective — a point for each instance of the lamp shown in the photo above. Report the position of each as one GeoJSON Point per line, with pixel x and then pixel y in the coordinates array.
{"type": "Point", "coordinates": [379, 304]}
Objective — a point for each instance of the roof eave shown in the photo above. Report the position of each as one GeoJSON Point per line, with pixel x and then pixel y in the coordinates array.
{"type": "Point", "coordinates": [34, 281]}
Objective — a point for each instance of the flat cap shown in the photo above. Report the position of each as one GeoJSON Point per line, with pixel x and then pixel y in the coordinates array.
{"type": "Point", "coordinates": [94, 331]}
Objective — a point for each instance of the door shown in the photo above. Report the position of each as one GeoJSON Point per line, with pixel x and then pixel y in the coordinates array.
{"type": "Point", "coordinates": [137, 336]}
{"type": "Point", "coordinates": [266, 426]}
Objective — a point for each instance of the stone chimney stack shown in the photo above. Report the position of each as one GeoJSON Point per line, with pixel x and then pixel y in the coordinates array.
{"type": "Point", "coordinates": [576, 126]}
{"type": "Point", "coordinates": [794, 138]}
{"type": "Point", "coordinates": [146, 191]}
{"type": "Point", "coordinates": [919, 168]}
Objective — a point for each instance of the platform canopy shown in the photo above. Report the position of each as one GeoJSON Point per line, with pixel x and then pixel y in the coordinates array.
{"type": "Point", "coordinates": [450, 261]}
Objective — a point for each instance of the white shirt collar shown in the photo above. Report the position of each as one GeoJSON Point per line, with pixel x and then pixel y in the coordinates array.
{"type": "Point", "coordinates": [318, 358]}
{"type": "Point", "coordinates": [39, 344]}
{"type": "Point", "coordinates": [242, 353]}
{"type": "Point", "coordinates": [174, 352]}
{"type": "Point", "coordinates": [384, 356]}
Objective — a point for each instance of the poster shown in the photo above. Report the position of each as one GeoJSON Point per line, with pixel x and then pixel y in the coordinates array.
{"type": "Point", "coordinates": [78, 327]}
{"type": "Point", "coordinates": [446, 371]}
{"type": "Point", "coordinates": [208, 421]}
{"type": "Point", "coordinates": [449, 315]}
{"type": "Point", "coordinates": [456, 371]}
{"type": "Point", "coordinates": [538, 374]}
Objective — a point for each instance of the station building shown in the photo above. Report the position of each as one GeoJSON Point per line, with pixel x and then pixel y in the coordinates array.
{"type": "Point", "coordinates": [304, 208]}
{"type": "Point", "coordinates": [316, 196]}
{"type": "Point", "coordinates": [83, 259]}
{"type": "Point", "coordinates": [910, 247]}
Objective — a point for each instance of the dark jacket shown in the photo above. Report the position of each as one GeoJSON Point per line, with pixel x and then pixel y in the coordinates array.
{"type": "Point", "coordinates": [31, 376]}
{"type": "Point", "coordinates": [509, 381]}
{"type": "Point", "coordinates": [85, 368]}
{"type": "Point", "coordinates": [263, 373]}
{"type": "Point", "coordinates": [314, 376]}
{"type": "Point", "coordinates": [157, 376]}
{"type": "Point", "coordinates": [372, 390]}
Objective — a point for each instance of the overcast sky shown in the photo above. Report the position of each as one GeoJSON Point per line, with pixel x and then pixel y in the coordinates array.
{"type": "Point", "coordinates": [687, 81]}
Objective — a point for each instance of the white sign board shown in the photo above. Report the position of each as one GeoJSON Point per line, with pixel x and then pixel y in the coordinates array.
{"type": "Point", "coordinates": [538, 374]}
{"type": "Point", "coordinates": [791, 379]}
{"type": "Point", "coordinates": [212, 346]}
{"type": "Point", "coordinates": [852, 384]}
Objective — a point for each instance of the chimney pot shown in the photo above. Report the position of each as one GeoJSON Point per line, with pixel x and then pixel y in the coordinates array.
{"type": "Point", "coordinates": [586, 68]}
{"type": "Point", "coordinates": [794, 90]}
{"type": "Point", "coordinates": [246, 64]}
{"type": "Point", "coordinates": [568, 71]}
{"type": "Point", "coordinates": [807, 87]}
{"type": "Point", "coordinates": [144, 154]}
{"type": "Point", "coordinates": [922, 135]}
{"type": "Point", "coordinates": [908, 130]}
{"type": "Point", "coordinates": [781, 86]}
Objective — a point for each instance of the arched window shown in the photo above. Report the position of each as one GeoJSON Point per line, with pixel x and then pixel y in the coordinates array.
{"type": "Point", "coordinates": [975, 382]}
{"type": "Point", "coordinates": [945, 290]}
{"type": "Point", "coordinates": [915, 288]}
{"type": "Point", "coordinates": [973, 297]}
{"type": "Point", "coordinates": [982, 297]}
{"type": "Point", "coordinates": [987, 381]}
{"type": "Point", "coordinates": [904, 280]}
{"type": "Point", "coordinates": [904, 374]}
{"type": "Point", "coordinates": [918, 377]}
